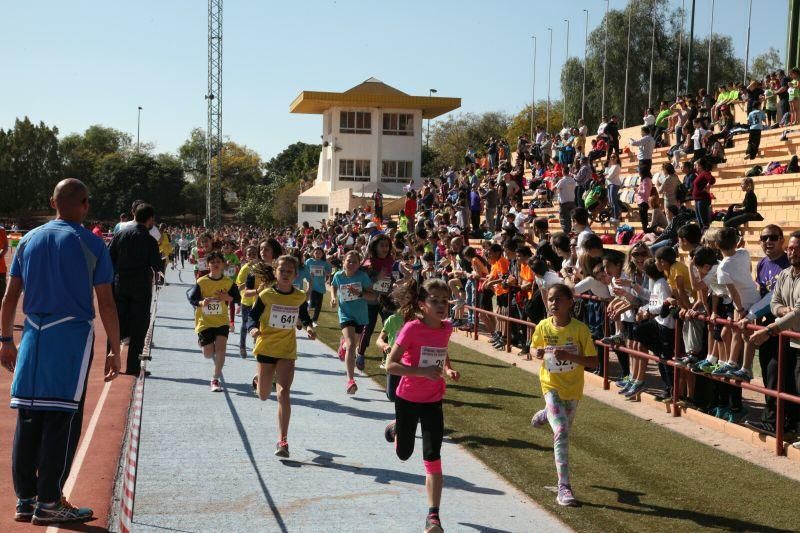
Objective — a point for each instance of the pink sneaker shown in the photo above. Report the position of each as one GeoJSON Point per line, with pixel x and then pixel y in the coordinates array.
{"type": "Point", "coordinates": [342, 350]}
{"type": "Point", "coordinates": [352, 387]}
{"type": "Point", "coordinates": [215, 386]}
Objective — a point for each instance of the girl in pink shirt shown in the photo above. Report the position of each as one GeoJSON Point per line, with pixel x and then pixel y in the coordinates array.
{"type": "Point", "coordinates": [420, 357]}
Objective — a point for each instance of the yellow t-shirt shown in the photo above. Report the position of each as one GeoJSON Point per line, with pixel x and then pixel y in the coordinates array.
{"type": "Point", "coordinates": [164, 246]}
{"type": "Point", "coordinates": [564, 377]}
{"type": "Point", "coordinates": [214, 314]}
{"type": "Point", "coordinates": [241, 278]}
{"type": "Point", "coordinates": [679, 271]}
{"type": "Point", "coordinates": [277, 323]}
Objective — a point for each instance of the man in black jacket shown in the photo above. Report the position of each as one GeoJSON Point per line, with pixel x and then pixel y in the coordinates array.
{"type": "Point", "coordinates": [137, 260]}
{"type": "Point", "coordinates": [612, 132]}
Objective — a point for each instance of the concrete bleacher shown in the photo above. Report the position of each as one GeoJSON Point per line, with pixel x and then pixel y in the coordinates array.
{"type": "Point", "coordinates": [778, 195]}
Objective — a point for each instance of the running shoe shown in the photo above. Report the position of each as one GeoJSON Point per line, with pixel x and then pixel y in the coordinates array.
{"type": "Point", "coordinates": [690, 360]}
{"type": "Point", "coordinates": [524, 351]}
{"type": "Point", "coordinates": [25, 508]}
{"type": "Point", "coordinates": [740, 375]}
{"type": "Point", "coordinates": [243, 353]}
{"type": "Point", "coordinates": [736, 416]}
{"type": "Point", "coordinates": [635, 390]}
{"type": "Point", "coordinates": [539, 419]}
{"type": "Point", "coordinates": [342, 351]}
{"type": "Point", "coordinates": [215, 386]}
{"type": "Point", "coordinates": [360, 362]}
{"type": "Point", "coordinates": [59, 513]}
{"type": "Point", "coordinates": [723, 369]}
{"type": "Point", "coordinates": [705, 367]}
{"type": "Point", "coordinates": [433, 524]}
{"type": "Point", "coordinates": [565, 497]}
{"type": "Point", "coordinates": [232, 327]}
{"type": "Point", "coordinates": [314, 325]}
{"type": "Point", "coordinates": [721, 412]}
{"type": "Point", "coordinates": [621, 383]}
{"type": "Point", "coordinates": [467, 327]}
{"type": "Point", "coordinates": [351, 387]}
{"type": "Point", "coordinates": [282, 449]}
{"type": "Point", "coordinates": [390, 432]}
{"type": "Point", "coordinates": [254, 383]}
{"type": "Point", "coordinates": [626, 387]}
{"type": "Point", "coordinates": [765, 428]}
{"type": "Point", "coordinates": [615, 340]}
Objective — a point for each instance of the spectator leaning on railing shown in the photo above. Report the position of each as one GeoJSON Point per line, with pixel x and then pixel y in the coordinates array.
{"type": "Point", "coordinates": [786, 307]}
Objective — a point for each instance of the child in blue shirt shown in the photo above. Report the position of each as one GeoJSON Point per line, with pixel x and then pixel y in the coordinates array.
{"type": "Point", "coordinates": [319, 270]}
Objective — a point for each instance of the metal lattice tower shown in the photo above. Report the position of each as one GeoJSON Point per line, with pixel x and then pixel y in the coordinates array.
{"type": "Point", "coordinates": [214, 129]}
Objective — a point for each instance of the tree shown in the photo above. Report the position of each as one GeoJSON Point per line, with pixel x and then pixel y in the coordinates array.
{"type": "Point", "coordinates": [765, 63]}
{"type": "Point", "coordinates": [451, 137]}
{"type": "Point", "coordinates": [725, 66]}
{"type": "Point", "coordinates": [30, 166]}
{"type": "Point", "coordinates": [193, 153]}
{"type": "Point", "coordinates": [521, 123]}
{"type": "Point", "coordinates": [241, 167]}
{"type": "Point", "coordinates": [274, 201]}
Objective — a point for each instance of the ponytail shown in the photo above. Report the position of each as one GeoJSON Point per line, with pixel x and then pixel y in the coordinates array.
{"type": "Point", "coordinates": [413, 292]}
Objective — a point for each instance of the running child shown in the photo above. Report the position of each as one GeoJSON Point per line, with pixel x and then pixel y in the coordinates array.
{"type": "Point", "coordinates": [198, 256]}
{"type": "Point", "coordinates": [248, 295]}
{"type": "Point", "coordinates": [351, 289]}
{"type": "Point", "coordinates": [271, 322]}
{"type": "Point", "coordinates": [420, 357]}
{"type": "Point", "coordinates": [320, 270]}
{"type": "Point", "coordinates": [232, 265]}
{"type": "Point", "coordinates": [211, 296]}
{"type": "Point", "coordinates": [567, 348]}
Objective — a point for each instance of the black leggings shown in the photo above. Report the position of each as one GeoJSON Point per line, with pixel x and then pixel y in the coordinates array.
{"type": "Point", "coordinates": [374, 310]}
{"type": "Point", "coordinates": [316, 304]}
{"type": "Point", "coordinates": [643, 209]}
{"type": "Point", "coordinates": [408, 414]}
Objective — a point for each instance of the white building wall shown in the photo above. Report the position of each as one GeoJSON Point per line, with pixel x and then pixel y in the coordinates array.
{"type": "Point", "coordinates": [374, 147]}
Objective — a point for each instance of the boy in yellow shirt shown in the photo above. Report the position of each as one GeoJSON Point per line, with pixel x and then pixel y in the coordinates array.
{"type": "Point", "coordinates": [211, 296]}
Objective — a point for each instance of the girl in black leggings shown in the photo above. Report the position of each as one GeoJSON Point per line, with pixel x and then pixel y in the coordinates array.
{"type": "Point", "coordinates": [419, 356]}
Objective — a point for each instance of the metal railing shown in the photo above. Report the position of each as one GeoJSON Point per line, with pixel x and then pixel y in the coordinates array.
{"type": "Point", "coordinates": [679, 371]}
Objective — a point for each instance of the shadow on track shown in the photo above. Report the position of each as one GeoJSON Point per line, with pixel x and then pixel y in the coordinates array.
{"type": "Point", "coordinates": [249, 450]}
{"type": "Point", "coordinates": [384, 475]}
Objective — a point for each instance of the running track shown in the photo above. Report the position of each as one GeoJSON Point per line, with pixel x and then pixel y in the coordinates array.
{"type": "Point", "coordinates": [206, 459]}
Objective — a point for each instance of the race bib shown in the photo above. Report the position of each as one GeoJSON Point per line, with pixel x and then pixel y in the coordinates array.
{"type": "Point", "coordinates": [382, 285]}
{"type": "Point", "coordinates": [283, 316]}
{"type": "Point", "coordinates": [317, 271]}
{"type": "Point", "coordinates": [230, 271]}
{"type": "Point", "coordinates": [212, 307]}
{"type": "Point", "coordinates": [432, 356]}
{"type": "Point", "coordinates": [349, 292]}
{"type": "Point", "coordinates": [656, 303]}
{"type": "Point", "coordinates": [553, 365]}
{"type": "Point", "coordinates": [202, 264]}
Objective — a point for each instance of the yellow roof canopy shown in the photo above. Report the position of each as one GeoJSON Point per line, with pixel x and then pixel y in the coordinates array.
{"type": "Point", "coordinates": [372, 93]}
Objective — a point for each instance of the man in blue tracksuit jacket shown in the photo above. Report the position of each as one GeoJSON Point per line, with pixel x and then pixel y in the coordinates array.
{"type": "Point", "coordinates": [56, 265]}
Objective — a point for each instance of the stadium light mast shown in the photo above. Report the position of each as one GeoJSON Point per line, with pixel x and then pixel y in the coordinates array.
{"type": "Point", "coordinates": [533, 89]}
{"type": "Point", "coordinates": [605, 56]}
{"type": "Point", "coordinates": [585, 46]}
{"type": "Point", "coordinates": [214, 129]}
{"type": "Point", "coordinates": [564, 93]}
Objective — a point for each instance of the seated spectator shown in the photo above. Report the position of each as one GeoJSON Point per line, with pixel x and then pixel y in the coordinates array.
{"type": "Point", "coordinates": [746, 211]}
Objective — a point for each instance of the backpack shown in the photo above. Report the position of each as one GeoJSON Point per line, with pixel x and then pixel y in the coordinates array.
{"type": "Point", "coordinates": [756, 170]}
{"type": "Point", "coordinates": [624, 234]}
{"type": "Point", "coordinates": [636, 238]}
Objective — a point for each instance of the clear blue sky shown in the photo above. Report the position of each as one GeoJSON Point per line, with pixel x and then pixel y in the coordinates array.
{"type": "Point", "coordinates": [73, 64]}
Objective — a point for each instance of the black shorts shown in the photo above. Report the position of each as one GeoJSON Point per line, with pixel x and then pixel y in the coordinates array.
{"type": "Point", "coordinates": [723, 311]}
{"type": "Point", "coordinates": [502, 300]}
{"type": "Point", "coordinates": [269, 360]}
{"type": "Point", "coordinates": [485, 300]}
{"type": "Point", "coordinates": [209, 335]}
{"type": "Point", "coordinates": [352, 324]}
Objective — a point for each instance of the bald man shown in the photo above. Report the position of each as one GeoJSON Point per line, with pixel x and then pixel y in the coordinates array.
{"type": "Point", "coordinates": [58, 265]}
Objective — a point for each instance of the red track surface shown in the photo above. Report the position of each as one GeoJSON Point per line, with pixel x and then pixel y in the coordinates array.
{"type": "Point", "coordinates": [95, 482]}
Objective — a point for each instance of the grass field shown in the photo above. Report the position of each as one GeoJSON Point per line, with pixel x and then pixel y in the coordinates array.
{"type": "Point", "coordinates": [629, 474]}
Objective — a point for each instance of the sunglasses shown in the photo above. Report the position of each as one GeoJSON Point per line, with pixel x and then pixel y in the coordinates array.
{"type": "Point", "coordinates": [639, 254]}
{"type": "Point", "coordinates": [773, 238]}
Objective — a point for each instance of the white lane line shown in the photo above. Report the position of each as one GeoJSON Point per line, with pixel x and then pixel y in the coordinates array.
{"type": "Point", "coordinates": [77, 463]}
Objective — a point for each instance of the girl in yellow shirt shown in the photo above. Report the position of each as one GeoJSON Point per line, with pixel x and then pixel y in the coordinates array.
{"type": "Point", "coordinates": [271, 322]}
{"type": "Point", "coordinates": [567, 347]}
